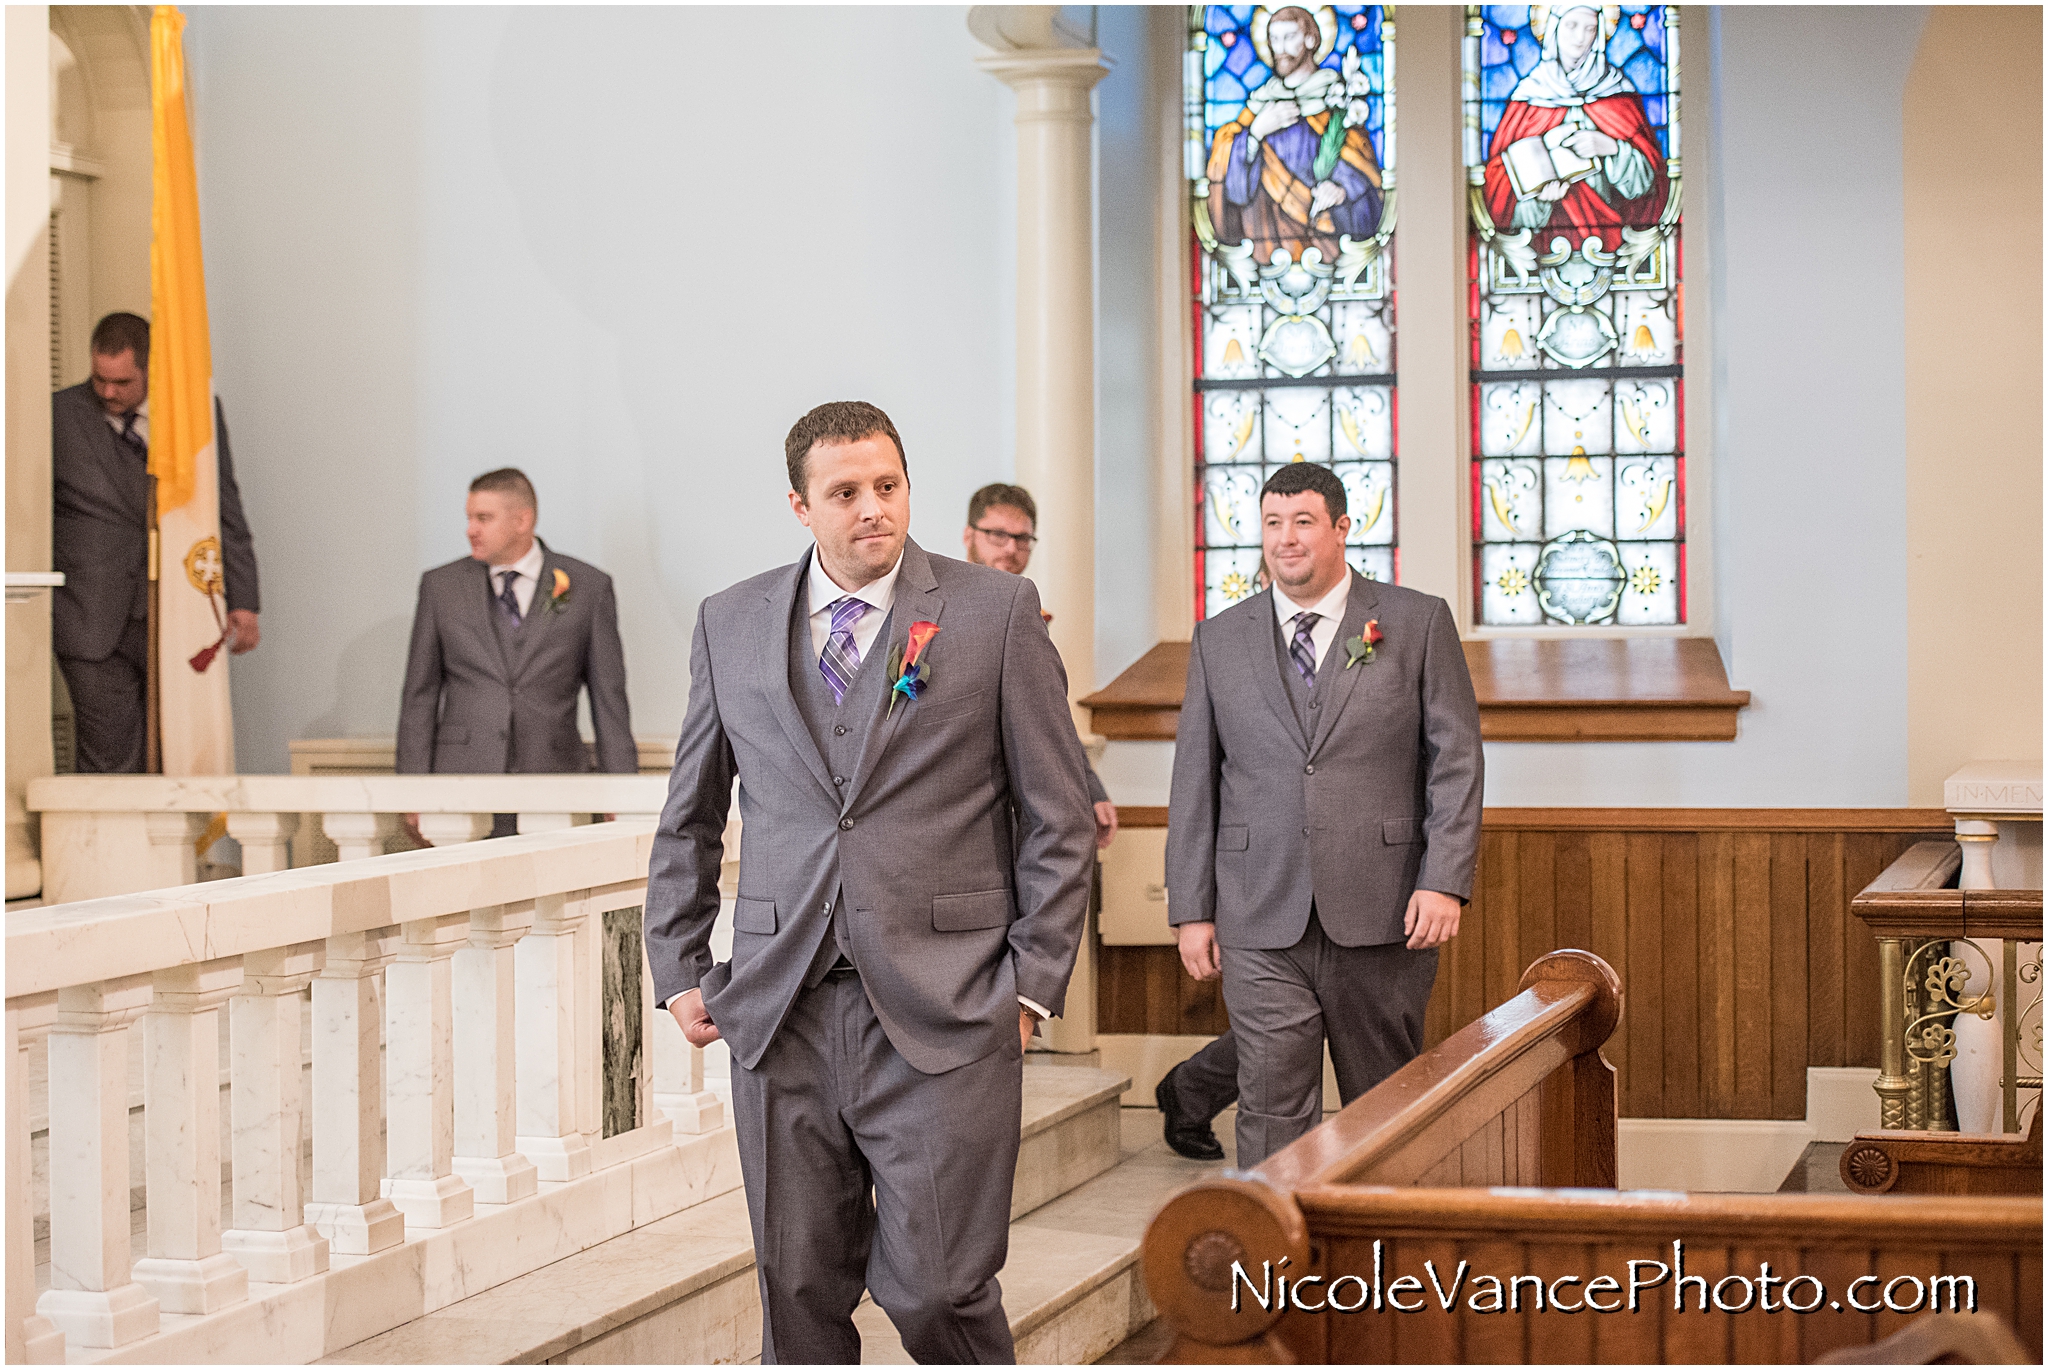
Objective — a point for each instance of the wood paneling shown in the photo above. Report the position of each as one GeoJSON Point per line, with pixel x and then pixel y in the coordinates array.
{"type": "Point", "coordinates": [1729, 927]}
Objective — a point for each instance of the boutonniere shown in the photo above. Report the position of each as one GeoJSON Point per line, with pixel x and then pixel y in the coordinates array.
{"type": "Point", "coordinates": [558, 598]}
{"type": "Point", "coordinates": [1359, 648]}
{"type": "Point", "coordinates": [911, 672]}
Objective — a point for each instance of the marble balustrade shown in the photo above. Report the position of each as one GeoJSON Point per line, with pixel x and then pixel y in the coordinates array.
{"type": "Point", "coordinates": [469, 1055]}
{"type": "Point", "coordinates": [121, 834]}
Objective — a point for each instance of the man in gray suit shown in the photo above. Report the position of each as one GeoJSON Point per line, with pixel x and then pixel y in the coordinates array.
{"type": "Point", "coordinates": [1324, 823]}
{"type": "Point", "coordinates": [502, 641]}
{"type": "Point", "coordinates": [913, 886]}
{"type": "Point", "coordinates": [99, 620]}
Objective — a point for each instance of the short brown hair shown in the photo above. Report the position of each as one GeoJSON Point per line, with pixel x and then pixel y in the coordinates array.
{"type": "Point", "coordinates": [836, 422]}
{"type": "Point", "coordinates": [507, 480]}
{"type": "Point", "coordinates": [118, 333]}
{"type": "Point", "coordinates": [989, 496]}
{"type": "Point", "coordinates": [1303, 477]}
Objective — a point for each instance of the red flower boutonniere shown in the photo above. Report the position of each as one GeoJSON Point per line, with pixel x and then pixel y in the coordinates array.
{"type": "Point", "coordinates": [912, 672]}
{"type": "Point", "coordinates": [1360, 648]}
{"type": "Point", "coordinates": [558, 598]}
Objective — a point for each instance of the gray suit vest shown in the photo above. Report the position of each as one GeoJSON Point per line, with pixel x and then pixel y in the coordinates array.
{"type": "Point", "coordinates": [841, 732]}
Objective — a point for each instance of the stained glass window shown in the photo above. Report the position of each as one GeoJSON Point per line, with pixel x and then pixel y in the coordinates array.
{"type": "Point", "coordinates": [1290, 161]}
{"type": "Point", "coordinates": [1577, 314]}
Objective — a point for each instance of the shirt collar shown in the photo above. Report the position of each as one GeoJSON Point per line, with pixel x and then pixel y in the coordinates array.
{"type": "Point", "coordinates": [527, 566]}
{"type": "Point", "coordinates": [1330, 606]}
{"type": "Point", "coordinates": [879, 593]}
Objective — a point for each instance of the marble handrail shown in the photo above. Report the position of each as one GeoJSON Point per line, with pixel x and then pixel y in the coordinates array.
{"type": "Point", "coordinates": [571, 793]}
{"type": "Point", "coordinates": [468, 1043]}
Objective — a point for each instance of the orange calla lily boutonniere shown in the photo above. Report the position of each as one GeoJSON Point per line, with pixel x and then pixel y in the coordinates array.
{"type": "Point", "coordinates": [1359, 648]}
{"type": "Point", "coordinates": [912, 672]}
{"type": "Point", "coordinates": [558, 597]}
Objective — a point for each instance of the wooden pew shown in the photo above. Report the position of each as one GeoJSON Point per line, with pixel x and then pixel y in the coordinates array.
{"type": "Point", "coordinates": [1403, 1208]}
{"type": "Point", "coordinates": [1944, 1162]}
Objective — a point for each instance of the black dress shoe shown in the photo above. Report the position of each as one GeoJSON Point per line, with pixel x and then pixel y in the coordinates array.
{"type": "Point", "coordinates": [1189, 1137]}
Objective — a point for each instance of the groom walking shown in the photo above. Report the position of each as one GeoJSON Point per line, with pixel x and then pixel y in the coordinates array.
{"type": "Point", "coordinates": [912, 891]}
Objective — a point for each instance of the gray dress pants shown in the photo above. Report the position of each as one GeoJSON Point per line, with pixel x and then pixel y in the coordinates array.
{"type": "Point", "coordinates": [1369, 1003]}
{"type": "Point", "coordinates": [109, 715]}
{"type": "Point", "coordinates": [831, 1110]}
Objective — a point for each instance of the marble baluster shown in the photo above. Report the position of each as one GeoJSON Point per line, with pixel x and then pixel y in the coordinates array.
{"type": "Point", "coordinates": [348, 1105]}
{"type": "Point", "coordinates": [93, 1298]}
{"type": "Point", "coordinates": [186, 1268]}
{"type": "Point", "coordinates": [550, 822]}
{"type": "Point", "coordinates": [486, 1078]}
{"type": "Point", "coordinates": [545, 968]}
{"type": "Point", "coordinates": [454, 829]}
{"type": "Point", "coordinates": [266, 840]}
{"type": "Point", "coordinates": [358, 835]}
{"type": "Point", "coordinates": [679, 1092]}
{"type": "Point", "coordinates": [419, 1024]}
{"type": "Point", "coordinates": [174, 847]}
{"type": "Point", "coordinates": [270, 1236]}
{"type": "Point", "coordinates": [31, 1338]}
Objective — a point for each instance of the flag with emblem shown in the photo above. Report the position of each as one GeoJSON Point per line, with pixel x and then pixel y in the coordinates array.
{"type": "Point", "coordinates": [196, 726]}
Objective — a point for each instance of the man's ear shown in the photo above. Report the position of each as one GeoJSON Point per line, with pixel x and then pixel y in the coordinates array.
{"type": "Point", "coordinates": [800, 509]}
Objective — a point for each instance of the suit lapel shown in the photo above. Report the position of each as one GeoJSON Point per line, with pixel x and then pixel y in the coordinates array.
{"type": "Point", "coordinates": [1257, 645]}
{"type": "Point", "coordinates": [538, 615]}
{"type": "Point", "coordinates": [484, 603]}
{"type": "Point", "coordinates": [779, 604]}
{"type": "Point", "coordinates": [917, 598]}
{"type": "Point", "coordinates": [1357, 609]}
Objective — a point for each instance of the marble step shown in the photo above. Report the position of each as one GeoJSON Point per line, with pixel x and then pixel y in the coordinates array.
{"type": "Point", "coordinates": [683, 1290]}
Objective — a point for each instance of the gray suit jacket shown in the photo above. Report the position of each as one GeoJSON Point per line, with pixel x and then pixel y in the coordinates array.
{"type": "Point", "coordinates": [100, 528]}
{"type": "Point", "coordinates": [1382, 798]}
{"type": "Point", "coordinates": [478, 702]}
{"type": "Point", "coordinates": [962, 845]}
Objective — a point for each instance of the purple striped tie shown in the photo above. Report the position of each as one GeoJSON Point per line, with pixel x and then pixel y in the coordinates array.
{"type": "Point", "coordinates": [841, 657]}
{"type": "Point", "coordinates": [1303, 648]}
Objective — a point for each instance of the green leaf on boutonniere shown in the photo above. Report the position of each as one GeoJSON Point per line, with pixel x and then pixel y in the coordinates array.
{"type": "Point", "coordinates": [1356, 649]}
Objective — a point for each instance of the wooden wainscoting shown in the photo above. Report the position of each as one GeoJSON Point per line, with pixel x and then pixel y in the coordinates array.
{"type": "Point", "coordinates": [1730, 929]}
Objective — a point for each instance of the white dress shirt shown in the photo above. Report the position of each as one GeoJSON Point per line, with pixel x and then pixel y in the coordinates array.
{"type": "Point", "coordinates": [1331, 606]}
{"type": "Point", "coordinates": [119, 421]}
{"type": "Point", "coordinates": [525, 578]}
{"type": "Point", "coordinates": [878, 594]}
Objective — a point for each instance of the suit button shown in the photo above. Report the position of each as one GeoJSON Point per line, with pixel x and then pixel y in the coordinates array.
{"type": "Point", "coordinates": [1308, 770]}
{"type": "Point", "coordinates": [1315, 703]}
{"type": "Point", "coordinates": [839, 780]}
{"type": "Point", "coordinates": [1304, 832]}
{"type": "Point", "coordinates": [846, 825]}
{"type": "Point", "coordinates": [839, 730]}
{"type": "Point", "coordinates": [828, 907]}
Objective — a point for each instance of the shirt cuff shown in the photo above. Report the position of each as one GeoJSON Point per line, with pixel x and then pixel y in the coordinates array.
{"type": "Point", "coordinates": [1040, 1009]}
{"type": "Point", "coordinates": [670, 1001]}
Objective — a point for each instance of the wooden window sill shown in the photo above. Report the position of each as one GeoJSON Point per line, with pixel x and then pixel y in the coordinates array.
{"type": "Point", "coordinates": [1530, 690]}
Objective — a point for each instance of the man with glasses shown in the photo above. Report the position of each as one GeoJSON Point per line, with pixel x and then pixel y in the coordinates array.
{"type": "Point", "coordinates": [1002, 528]}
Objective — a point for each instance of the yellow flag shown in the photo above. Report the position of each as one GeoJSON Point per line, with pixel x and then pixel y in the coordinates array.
{"type": "Point", "coordinates": [192, 676]}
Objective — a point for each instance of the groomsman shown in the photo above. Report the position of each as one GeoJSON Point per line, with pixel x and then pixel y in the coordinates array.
{"type": "Point", "coordinates": [503, 641]}
{"type": "Point", "coordinates": [1324, 823]}
{"type": "Point", "coordinates": [912, 892]}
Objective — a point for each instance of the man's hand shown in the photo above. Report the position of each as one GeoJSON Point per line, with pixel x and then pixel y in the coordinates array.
{"type": "Point", "coordinates": [1553, 191]}
{"type": "Point", "coordinates": [1198, 950]}
{"type": "Point", "coordinates": [1588, 142]}
{"type": "Point", "coordinates": [1026, 1022]}
{"type": "Point", "coordinates": [1432, 920]}
{"type": "Point", "coordinates": [698, 1029]}
{"type": "Point", "coordinates": [243, 632]}
{"type": "Point", "coordinates": [1281, 114]}
{"type": "Point", "coordinates": [1105, 824]}
{"type": "Point", "coordinates": [1326, 195]}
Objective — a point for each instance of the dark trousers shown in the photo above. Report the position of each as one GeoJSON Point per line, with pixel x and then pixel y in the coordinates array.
{"type": "Point", "coordinates": [107, 705]}
{"type": "Point", "coordinates": [1206, 1083]}
{"type": "Point", "coordinates": [1367, 1001]}
{"type": "Point", "coordinates": [864, 1173]}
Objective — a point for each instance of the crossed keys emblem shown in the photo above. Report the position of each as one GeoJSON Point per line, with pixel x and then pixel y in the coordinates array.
{"type": "Point", "coordinates": [204, 569]}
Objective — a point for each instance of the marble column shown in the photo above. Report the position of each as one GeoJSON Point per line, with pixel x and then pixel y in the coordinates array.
{"type": "Point", "coordinates": [267, 1108]}
{"type": "Point", "coordinates": [266, 840]}
{"type": "Point", "coordinates": [545, 1036]}
{"type": "Point", "coordinates": [1977, 1073]}
{"type": "Point", "coordinates": [454, 829]}
{"type": "Point", "coordinates": [173, 847]}
{"type": "Point", "coordinates": [486, 1077]}
{"type": "Point", "coordinates": [31, 1338]}
{"type": "Point", "coordinates": [186, 1268]}
{"type": "Point", "coordinates": [419, 1026]}
{"type": "Point", "coordinates": [93, 1298]}
{"type": "Point", "coordinates": [1053, 77]}
{"type": "Point", "coordinates": [348, 1106]}
{"type": "Point", "coordinates": [357, 835]}
{"type": "Point", "coordinates": [679, 1092]}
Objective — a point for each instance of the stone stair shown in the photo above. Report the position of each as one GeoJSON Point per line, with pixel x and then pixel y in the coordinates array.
{"type": "Point", "coordinates": [683, 1289]}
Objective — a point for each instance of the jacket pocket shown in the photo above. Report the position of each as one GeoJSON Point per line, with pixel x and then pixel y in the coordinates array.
{"type": "Point", "coordinates": [753, 915]}
{"type": "Point", "coordinates": [946, 708]}
{"type": "Point", "coordinates": [1233, 839]}
{"type": "Point", "coordinates": [968, 912]}
{"type": "Point", "coordinates": [451, 736]}
{"type": "Point", "coordinates": [1397, 832]}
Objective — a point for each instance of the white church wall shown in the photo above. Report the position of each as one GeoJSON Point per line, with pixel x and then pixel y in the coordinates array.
{"type": "Point", "coordinates": [620, 248]}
